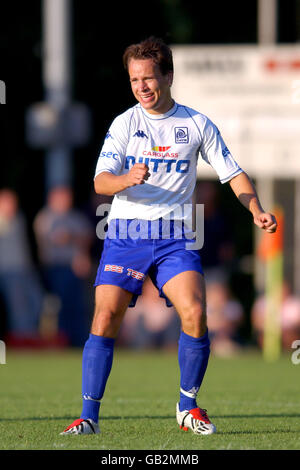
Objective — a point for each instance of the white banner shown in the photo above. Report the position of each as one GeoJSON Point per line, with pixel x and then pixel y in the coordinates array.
{"type": "Point", "coordinates": [252, 93]}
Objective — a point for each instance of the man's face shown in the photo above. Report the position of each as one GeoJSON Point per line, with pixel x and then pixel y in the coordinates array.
{"type": "Point", "coordinates": [149, 86]}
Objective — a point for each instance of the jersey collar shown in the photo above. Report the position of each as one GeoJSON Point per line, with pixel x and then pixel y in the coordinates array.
{"type": "Point", "coordinates": [160, 116]}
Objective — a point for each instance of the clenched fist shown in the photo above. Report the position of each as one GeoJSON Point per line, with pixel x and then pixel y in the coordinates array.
{"type": "Point", "coordinates": [137, 174]}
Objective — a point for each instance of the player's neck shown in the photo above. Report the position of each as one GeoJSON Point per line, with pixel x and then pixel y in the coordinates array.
{"type": "Point", "coordinates": [162, 108]}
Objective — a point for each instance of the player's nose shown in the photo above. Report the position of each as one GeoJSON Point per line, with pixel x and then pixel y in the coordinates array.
{"type": "Point", "coordinates": [143, 85]}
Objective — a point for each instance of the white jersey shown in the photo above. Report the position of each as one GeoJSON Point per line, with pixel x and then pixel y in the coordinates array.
{"type": "Point", "coordinates": [169, 144]}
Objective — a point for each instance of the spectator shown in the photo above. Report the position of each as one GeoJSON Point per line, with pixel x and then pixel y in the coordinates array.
{"type": "Point", "coordinates": [150, 324]}
{"type": "Point", "coordinates": [64, 238]}
{"type": "Point", "coordinates": [225, 316]}
{"type": "Point", "coordinates": [289, 317]}
{"type": "Point", "coordinates": [96, 202]}
{"type": "Point", "coordinates": [217, 253]}
{"type": "Point", "coordinates": [19, 284]}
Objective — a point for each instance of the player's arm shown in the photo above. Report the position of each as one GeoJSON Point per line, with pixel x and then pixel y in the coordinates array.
{"type": "Point", "coordinates": [245, 191]}
{"type": "Point", "coordinates": [109, 184]}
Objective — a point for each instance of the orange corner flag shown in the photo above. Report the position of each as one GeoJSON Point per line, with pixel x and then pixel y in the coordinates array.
{"type": "Point", "coordinates": [271, 244]}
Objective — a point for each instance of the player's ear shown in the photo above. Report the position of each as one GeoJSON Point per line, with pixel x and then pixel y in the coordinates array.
{"type": "Point", "coordinates": [170, 78]}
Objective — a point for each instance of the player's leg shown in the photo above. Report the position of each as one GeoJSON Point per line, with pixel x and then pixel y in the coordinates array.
{"type": "Point", "coordinates": [186, 291]}
{"type": "Point", "coordinates": [111, 303]}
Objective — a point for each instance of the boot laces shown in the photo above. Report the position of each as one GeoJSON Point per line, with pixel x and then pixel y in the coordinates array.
{"type": "Point", "coordinates": [201, 414]}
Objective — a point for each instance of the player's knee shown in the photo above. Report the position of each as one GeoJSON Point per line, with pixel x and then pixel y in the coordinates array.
{"type": "Point", "coordinates": [198, 314]}
{"type": "Point", "coordinates": [193, 318]}
{"type": "Point", "coordinates": [103, 319]}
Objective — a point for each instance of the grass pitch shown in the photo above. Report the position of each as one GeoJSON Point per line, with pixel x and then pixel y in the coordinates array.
{"type": "Point", "coordinates": [254, 405]}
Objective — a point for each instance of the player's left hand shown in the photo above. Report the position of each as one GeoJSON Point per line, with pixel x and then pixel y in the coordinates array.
{"type": "Point", "coordinates": [266, 222]}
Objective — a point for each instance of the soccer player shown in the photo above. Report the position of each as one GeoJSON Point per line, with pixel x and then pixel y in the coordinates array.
{"type": "Point", "coordinates": [148, 162]}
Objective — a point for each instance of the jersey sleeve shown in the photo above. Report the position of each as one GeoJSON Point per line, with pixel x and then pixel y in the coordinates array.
{"type": "Point", "coordinates": [215, 152]}
{"type": "Point", "coordinates": [113, 152]}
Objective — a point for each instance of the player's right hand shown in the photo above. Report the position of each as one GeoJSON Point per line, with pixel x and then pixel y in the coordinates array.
{"type": "Point", "coordinates": [138, 174]}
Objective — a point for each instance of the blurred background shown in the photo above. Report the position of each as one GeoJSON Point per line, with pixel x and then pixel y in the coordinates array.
{"type": "Point", "coordinates": [61, 62]}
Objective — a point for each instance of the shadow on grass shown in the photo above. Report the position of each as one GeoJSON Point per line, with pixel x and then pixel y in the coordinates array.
{"type": "Point", "coordinates": [260, 431]}
{"type": "Point", "coordinates": [277, 415]}
{"type": "Point", "coordinates": [109, 418]}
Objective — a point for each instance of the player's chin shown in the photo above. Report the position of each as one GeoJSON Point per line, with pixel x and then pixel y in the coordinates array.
{"type": "Point", "coordinates": [149, 107]}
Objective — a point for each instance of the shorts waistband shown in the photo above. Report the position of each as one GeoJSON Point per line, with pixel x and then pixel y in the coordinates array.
{"type": "Point", "coordinates": [158, 229]}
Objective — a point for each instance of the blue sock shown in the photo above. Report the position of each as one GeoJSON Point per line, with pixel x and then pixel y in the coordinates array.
{"type": "Point", "coordinates": [193, 354]}
{"type": "Point", "coordinates": [97, 361]}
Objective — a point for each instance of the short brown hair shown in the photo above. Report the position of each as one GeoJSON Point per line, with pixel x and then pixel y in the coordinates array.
{"type": "Point", "coordinates": [151, 48]}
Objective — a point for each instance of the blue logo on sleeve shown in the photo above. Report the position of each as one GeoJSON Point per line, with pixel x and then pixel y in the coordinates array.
{"type": "Point", "coordinates": [109, 155]}
{"type": "Point", "coordinates": [108, 135]}
{"type": "Point", "coordinates": [225, 152]}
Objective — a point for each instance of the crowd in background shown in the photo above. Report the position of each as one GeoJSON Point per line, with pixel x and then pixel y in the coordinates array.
{"type": "Point", "coordinates": [49, 302]}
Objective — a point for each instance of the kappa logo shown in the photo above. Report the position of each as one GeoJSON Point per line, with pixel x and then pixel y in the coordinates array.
{"type": "Point", "coordinates": [140, 133]}
{"type": "Point", "coordinates": [181, 135]}
{"type": "Point", "coordinates": [192, 393]}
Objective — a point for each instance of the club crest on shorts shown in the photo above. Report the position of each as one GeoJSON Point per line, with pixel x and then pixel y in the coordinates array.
{"type": "Point", "coordinates": [181, 135]}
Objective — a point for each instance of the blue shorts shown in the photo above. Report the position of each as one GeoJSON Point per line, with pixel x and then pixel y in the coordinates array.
{"type": "Point", "coordinates": [127, 262]}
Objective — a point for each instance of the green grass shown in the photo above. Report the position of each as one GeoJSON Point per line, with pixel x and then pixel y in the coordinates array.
{"type": "Point", "coordinates": [253, 404]}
